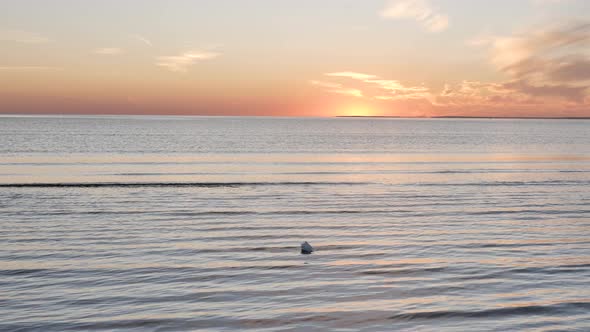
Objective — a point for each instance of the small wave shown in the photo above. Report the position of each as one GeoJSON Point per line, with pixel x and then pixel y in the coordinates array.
{"type": "Point", "coordinates": [22, 272]}
{"type": "Point", "coordinates": [167, 173]}
{"type": "Point", "coordinates": [247, 249]}
{"type": "Point", "coordinates": [501, 171]}
{"type": "Point", "coordinates": [540, 211]}
{"type": "Point", "coordinates": [288, 212]}
{"type": "Point", "coordinates": [500, 312]}
{"type": "Point", "coordinates": [381, 171]}
{"type": "Point", "coordinates": [404, 271]}
{"type": "Point", "coordinates": [504, 183]}
{"type": "Point", "coordinates": [167, 184]}
{"type": "Point", "coordinates": [518, 245]}
{"type": "Point", "coordinates": [517, 272]}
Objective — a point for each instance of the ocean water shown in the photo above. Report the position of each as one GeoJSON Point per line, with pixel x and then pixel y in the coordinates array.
{"type": "Point", "coordinates": [194, 224]}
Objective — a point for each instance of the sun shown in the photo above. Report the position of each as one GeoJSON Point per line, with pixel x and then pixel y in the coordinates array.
{"type": "Point", "coordinates": [358, 110]}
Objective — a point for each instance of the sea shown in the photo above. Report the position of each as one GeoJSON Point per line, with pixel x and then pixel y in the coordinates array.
{"type": "Point", "coordinates": [164, 223]}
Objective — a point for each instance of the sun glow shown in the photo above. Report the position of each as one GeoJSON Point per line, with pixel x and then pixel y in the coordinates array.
{"type": "Point", "coordinates": [358, 110]}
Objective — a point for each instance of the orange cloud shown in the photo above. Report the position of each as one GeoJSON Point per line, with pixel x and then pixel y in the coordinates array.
{"type": "Point", "coordinates": [180, 63]}
{"type": "Point", "coordinates": [385, 89]}
{"type": "Point", "coordinates": [338, 88]}
{"type": "Point", "coordinates": [548, 72]}
{"type": "Point", "coordinates": [551, 62]}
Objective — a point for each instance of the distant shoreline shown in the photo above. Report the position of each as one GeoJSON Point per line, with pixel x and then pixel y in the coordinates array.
{"type": "Point", "coordinates": [466, 117]}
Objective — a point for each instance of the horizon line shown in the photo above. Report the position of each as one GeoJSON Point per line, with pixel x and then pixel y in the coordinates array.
{"type": "Point", "coordinates": [297, 116]}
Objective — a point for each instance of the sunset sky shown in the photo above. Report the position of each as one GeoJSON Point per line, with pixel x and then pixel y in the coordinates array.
{"type": "Point", "coordinates": [296, 57]}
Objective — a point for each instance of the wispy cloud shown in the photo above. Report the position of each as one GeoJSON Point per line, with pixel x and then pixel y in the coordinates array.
{"type": "Point", "coordinates": [181, 62]}
{"type": "Point", "coordinates": [338, 88]}
{"type": "Point", "coordinates": [108, 51]}
{"type": "Point", "coordinates": [398, 89]}
{"type": "Point", "coordinates": [548, 62]}
{"type": "Point", "coordinates": [545, 67]}
{"type": "Point", "coordinates": [470, 93]}
{"type": "Point", "coordinates": [385, 89]}
{"type": "Point", "coordinates": [142, 39]}
{"type": "Point", "coordinates": [353, 75]}
{"type": "Point", "coordinates": [420, 10]}
{"type": "Point", "coordinates": [25, 37]}
{"type": "Point", "coordinates": [394, 88]}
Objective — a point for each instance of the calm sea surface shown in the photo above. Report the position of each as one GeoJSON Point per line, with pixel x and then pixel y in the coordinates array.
{"type": "Point", "coordinates": [180, 223]}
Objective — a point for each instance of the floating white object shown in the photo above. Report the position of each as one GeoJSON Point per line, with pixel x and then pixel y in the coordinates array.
{"type": "Point", "coordinates": [306, 248]}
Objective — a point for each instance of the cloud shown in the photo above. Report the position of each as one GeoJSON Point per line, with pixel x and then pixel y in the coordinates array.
{"type": "Point", "coordinates": [572, 69]}
{"type": "Point", "coordinates": [353, 75]}
{"type": "Point", "coordinates": [349, 92]}
{"type": "Point", "coordinates": [546, 70]}
{"type": "Point", "coordinates": [472, 93]}
{"type": "Point", "coordinates": [338, 88]}
{"type": "Point", "coordinates": [395, 87]}
{"type": "Point", "coordinates": [181, 62]}
{"type": "Point", "coordinates": [549, 62]}
{"type": "Point", "coordinates": [142, 39]}
{"type": "Point", "coordinates": [419, 10]}
{"type": "Point", "coordinates": [539, 43]}
{"type": "Point", "coordinates": [568, 92]}
{"type": "Point", "coordinates": [108, 51]}
{"type": "Point", "coordinates": [29, 68]}
{"type": "Point", "coordinates": [384, 89]}
{"type": "Point", "coordinates": [25, 37]}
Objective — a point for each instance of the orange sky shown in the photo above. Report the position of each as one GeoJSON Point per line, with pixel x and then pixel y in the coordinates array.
{"type": "Point", "coordinates": [296, 58]}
